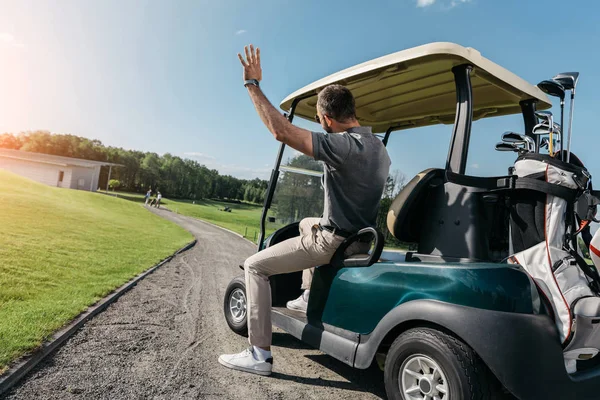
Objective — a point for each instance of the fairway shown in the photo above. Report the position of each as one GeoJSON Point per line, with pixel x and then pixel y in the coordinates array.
{"type": "Point", "coordinates": [244, 218]}
{"type": "Point", "coordinates": [62, 250]}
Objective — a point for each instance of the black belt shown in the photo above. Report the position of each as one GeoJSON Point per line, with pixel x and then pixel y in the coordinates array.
{"type": "Point", "coordinates": [335, 231]}
{"type": "Point", "coordinates": [343, 233]}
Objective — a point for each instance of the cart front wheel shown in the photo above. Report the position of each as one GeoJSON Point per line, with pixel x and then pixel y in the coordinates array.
{"type": "Point", "coordinates": [234, 306]}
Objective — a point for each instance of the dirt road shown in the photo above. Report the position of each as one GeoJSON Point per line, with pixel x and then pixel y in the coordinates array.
{"type": "Point", "coordinates": [162, 339]}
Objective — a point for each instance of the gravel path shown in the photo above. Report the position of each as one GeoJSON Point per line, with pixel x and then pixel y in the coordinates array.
{"type": "Point", "coordinates": [162, 339]}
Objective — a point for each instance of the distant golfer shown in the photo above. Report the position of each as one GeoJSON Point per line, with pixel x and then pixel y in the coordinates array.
{"type": "Point", "coordinates": [148, 194]}
{"type": "Point", "coordinates": [158, 197]}
{"type": "Point", "coordinates": [355, 171]}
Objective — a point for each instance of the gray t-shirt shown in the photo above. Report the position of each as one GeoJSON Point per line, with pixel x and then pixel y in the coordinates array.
{"type": "Point", "coordinates": [355, 172]}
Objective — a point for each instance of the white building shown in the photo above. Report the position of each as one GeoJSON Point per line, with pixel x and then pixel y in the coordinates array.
{"type": "Point", "coordinates": [65, 172]}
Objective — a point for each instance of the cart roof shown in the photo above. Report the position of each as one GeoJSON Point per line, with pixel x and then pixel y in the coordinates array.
{"type": "Point", "coordinates": [415, 87]}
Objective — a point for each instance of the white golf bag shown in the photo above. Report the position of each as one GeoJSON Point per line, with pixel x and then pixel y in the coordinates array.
{"type": "Point", "coordinates": [551, 205]}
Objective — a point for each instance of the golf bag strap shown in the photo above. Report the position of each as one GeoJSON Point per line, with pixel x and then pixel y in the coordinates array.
{"type": "Point", "coordinates": [589, 271]}
{"type": "Point", "coordinates": [493, 183]}
{"type": "Point", "coordinates": [549, 188]}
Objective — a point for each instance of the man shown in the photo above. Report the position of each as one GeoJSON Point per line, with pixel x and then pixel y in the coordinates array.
{"type": "Point", "coordinates": [148, 194]}
{"type": "Point", "coordinates": [356, 168]}
{"type": "Point", "coordinates": [158, 198]}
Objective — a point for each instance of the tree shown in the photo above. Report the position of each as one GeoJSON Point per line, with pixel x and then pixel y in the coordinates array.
{"type": "Point", "coordinates": [176, 177]}
{"type": "Point", "coordinates": [113, 184]}
{"type": "Point", "coordinates": [298, 195]}
{"type": "Point", "coordinates": [10, 141]}
{"type": "Point", "coordinates": [394, 184]}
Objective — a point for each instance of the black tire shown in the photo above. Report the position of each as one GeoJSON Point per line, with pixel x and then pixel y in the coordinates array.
{"type": "Point", "coordinates": [235, 287]}
{"type": "Point", "coordinates": [467, 378]}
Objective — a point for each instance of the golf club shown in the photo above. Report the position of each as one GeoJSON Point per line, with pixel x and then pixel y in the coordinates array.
{"type": "Point", "coordinates": [569, 80]}
{"type": "Point", "coordinates": [517, 138]}
{"type": "Point", "coordinates": [506, 147]}
{"type": "Point", "coordinates": [543, 128]}
{"type": "Point", "coordinates": [547, 121]}
{"type": "Point", "coordinates": [554, 88]}
{"type": "Point", "coordinates": [544, 143]}
{"type": "Point", "coordinates": [543, 115]}
{"type": "Point", "coordinates": [502, 146]}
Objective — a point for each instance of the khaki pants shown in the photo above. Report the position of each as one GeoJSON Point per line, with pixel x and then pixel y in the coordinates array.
{"type": "Point", "coordinates": [312, 248]}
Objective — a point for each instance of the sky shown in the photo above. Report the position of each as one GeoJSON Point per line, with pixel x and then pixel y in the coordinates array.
{"type": "Point", "coordinates": [164, 77]}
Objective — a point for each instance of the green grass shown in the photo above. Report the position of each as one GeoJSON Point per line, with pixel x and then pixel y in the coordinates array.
{"type": "Point", "coordinates": [244, 218]}
{"type": "Point", "coordinates": [63, 250]}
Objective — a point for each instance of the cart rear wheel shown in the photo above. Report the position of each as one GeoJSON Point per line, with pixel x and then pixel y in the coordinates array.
{"type": "Point", "coordinates": [234, 306]}
{"type": "Point", "coordinates": [428, 364]}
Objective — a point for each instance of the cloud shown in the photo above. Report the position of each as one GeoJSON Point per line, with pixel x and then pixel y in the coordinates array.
{"type": "Point", "coordinates": [425, 3]}
{"type": "Point", "coordinates": [241, 32]}
{"type": "Point", "coordinates": [195, 154]}
{"type": "Point", "coordinates": [475, 166]}
{"type": "Point", "coordinates": [9, 40]}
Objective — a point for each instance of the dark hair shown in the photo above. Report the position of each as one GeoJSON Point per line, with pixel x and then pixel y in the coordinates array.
{"type": "Point", "coordinates": [337, 102]}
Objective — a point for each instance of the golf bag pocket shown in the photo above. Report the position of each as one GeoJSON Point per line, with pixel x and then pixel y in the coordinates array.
{"type": "Point", "coordinates": [557, 275]}
{"type": "Point", "coordinates": [571, 280]}
{"type": "Point", "coordinates": [585, 343]}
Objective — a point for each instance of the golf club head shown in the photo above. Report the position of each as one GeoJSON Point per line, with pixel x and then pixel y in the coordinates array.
{"type": "Point", "coordinates": [506, 147]}
{"type": "Point", "coordinates": [552, 88]}
{"type": "Point", "coordinates": [557, 128]}
{"type": "Point", "coordinates": [541, 129]}
{"type": "Point", "coordinates": [512, 137]}
{"type": "Point", "coordinates": [567, 79]}
{"type": "Point", "coordinates": [530, 144]}
{"type": "Point", "coordinates": [543, 115]}
{"type": "Point", "coordinates": [544, 143]}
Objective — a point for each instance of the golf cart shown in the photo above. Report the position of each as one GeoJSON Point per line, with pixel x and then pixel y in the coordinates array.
{"type": "Point", "coordinates": [453, 320]}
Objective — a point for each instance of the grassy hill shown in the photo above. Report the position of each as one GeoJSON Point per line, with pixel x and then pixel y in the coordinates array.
{"type": "Point", "coordinates": [62, 250]}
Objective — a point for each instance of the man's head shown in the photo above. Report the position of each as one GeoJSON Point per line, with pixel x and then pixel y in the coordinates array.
{"type": "Point", "coordinates": [336, 110]}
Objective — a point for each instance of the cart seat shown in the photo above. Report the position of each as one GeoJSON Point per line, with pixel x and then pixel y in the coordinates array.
{"type": "Point", "coordinates": [452, 217]}
{"type": "Point", "coordinates": [404, 219]}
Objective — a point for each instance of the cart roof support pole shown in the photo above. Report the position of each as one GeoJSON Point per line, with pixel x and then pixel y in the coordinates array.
{"type": "Point", "coordinates": [461, 135]}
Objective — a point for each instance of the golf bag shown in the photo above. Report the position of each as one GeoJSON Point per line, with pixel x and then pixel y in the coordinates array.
{"type": "Point", "coordinates": [551, 205]}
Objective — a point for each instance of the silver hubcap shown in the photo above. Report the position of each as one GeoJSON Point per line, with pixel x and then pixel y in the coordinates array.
{"type": "Point", "coordinates": [421, 378]}
{"type": "Point", "coordinates": [237, 305]}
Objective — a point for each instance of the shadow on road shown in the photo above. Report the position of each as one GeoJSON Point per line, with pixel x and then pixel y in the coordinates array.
{"type": "Point", "coordinates": [282, 339]}
{"type": "Point", "coordinates": [367, 381]}
{"type": "Point", "coordinates": [364, 381]}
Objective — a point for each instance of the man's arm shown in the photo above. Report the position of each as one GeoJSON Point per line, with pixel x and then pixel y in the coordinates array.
{"type": "Point", "coordinates": [283, 131]}
{"type": "Point", "coordinates": [297, 138]}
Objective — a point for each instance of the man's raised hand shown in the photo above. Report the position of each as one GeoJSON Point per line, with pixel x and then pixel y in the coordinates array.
{"type": "Point", "coordinates": [251, 64]}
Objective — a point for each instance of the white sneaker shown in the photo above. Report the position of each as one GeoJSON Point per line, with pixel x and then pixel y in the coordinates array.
{"type": "Point", "coordinates": [300, 304]}
{"type": "Point", "coordinates": [246, 362]}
